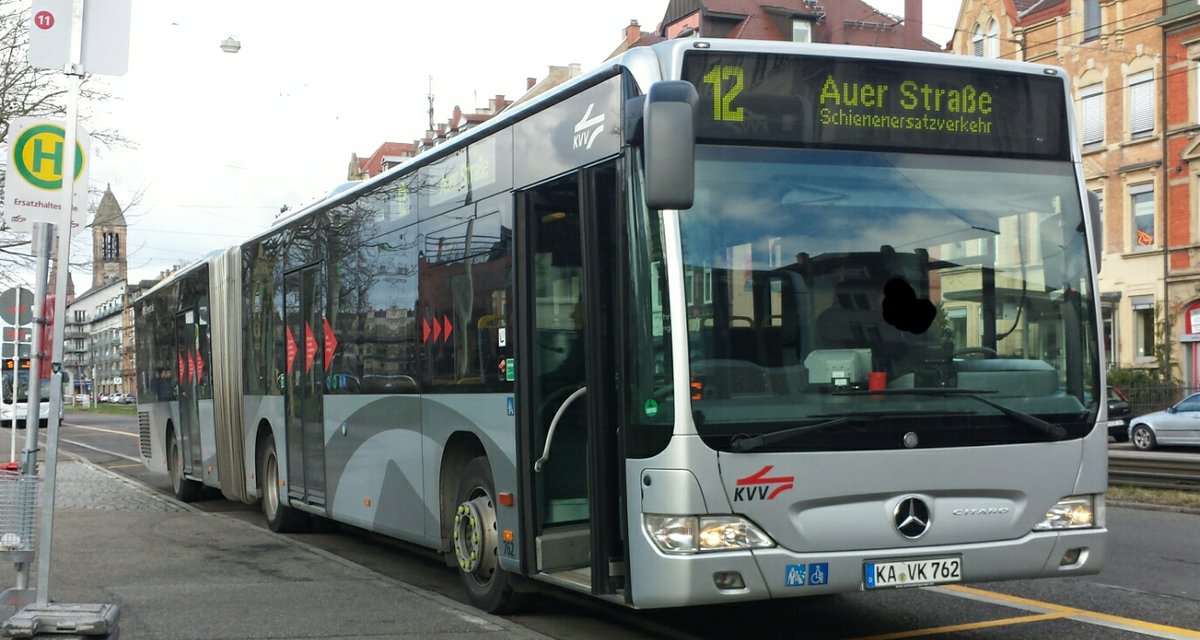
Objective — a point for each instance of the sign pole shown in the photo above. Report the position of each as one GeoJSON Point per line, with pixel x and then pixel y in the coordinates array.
{"type": "Point", "coordinates": [62, 261]}
{"type": "Point", "coordinates": [41, 244]}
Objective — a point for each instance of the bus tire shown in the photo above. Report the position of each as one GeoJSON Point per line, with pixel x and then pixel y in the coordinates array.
{"type": "Point", "coordinates": [280, 517]}
{"type": "Point", "coordinates": [185, 490]}
{"type": "Point", "coordinates": [475, 542]}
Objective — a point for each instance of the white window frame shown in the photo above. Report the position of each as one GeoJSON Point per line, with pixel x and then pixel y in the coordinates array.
{"type": "Point", "coordinates": [977, 42]}
{"type": "Point", "coordinates": [1091, 20]}
{"type": "Point", "coordinates": [802, 30]}
{"type": "Point", "coordinates": [1143, 189]}
{"type": "Point", "coordinates": [1141, 104]}
{"type": "Point", "coordinates": [992, 42]}
{"type": "Point", "coordinates": [1143, 312]}
{"type": "Point", "coordinates": [1091, 116]}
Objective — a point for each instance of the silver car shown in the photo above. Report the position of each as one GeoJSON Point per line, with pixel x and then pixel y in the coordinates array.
{"type": "Point", "coordinates": [1178, 425]}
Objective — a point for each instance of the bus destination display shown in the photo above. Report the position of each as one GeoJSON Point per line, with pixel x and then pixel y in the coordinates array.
{"type": "Point", "coordinates": [847, 103]}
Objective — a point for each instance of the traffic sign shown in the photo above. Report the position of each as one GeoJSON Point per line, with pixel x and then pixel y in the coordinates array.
{"type": "Point", "coordinates": [33, 190]}
{"type": "Point", "coordinates": [16, 306]}
{"type": "Point", "coordinates": [21, 349]}
{"type": "Point", "coordinates": [105, 35]}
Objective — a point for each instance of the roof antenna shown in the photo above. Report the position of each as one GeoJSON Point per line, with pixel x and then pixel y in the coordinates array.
{"type": "Point", "coordinates": [430, 103]}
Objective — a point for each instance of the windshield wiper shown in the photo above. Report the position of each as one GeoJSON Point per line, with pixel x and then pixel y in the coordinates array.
{"type": "Point", "coordinates": [742, 444]}
{"type": "Point", "coordinates": [1053, 430]}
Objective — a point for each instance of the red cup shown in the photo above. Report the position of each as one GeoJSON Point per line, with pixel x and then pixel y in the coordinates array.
{"type": "Point", "coordinates": [877, 381]}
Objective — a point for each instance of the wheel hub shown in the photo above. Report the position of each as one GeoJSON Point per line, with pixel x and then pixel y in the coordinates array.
{"type": "Point", "coordinates": [475, 536]}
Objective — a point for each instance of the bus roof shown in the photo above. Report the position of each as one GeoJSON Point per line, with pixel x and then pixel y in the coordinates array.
{"type": "Point", "coordinates": [646, 65]}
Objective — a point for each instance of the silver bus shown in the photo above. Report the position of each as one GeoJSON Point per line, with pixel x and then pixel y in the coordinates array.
{"type": "Point", "coordinates": [718, 321]}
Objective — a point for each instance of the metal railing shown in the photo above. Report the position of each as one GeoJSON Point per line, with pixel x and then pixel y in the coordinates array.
{"type": "Point", "coordinates": [1154, 470]}
{"type": "Point", "coordinates": [1148, 399]}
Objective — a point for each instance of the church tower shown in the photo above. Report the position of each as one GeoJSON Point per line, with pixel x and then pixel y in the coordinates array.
{"type": "Point", "coordinates": [108, 241]}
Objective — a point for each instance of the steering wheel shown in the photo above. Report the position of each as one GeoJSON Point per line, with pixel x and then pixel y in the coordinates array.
{"type": "Point", "coordinates": [987, 352]}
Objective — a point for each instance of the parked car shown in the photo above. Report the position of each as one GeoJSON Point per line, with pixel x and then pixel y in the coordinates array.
{"type": "Point", "coordinates": [1119, 413]}
{"type": "Point", "coordinates": [1176, 425]}
{"type": "Point", "coordinates": [125, 398]}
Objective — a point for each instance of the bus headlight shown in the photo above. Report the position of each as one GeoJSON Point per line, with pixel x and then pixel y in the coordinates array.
{"type": "Point", "coordinates": [1072, 512]}
{"type": "Point", "coordinates": [693, 534]}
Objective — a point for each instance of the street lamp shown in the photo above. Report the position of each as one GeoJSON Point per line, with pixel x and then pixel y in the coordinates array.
{"type": "Point", "coordinates": [231, 45]}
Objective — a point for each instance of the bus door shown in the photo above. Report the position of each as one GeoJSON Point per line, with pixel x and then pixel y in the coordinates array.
{"type": "Point", "coordinates": [303, 301]}
{"type": "Point", "coordinates": [187, 350]}
{"type": "Point", "coordinates": [568, 444]}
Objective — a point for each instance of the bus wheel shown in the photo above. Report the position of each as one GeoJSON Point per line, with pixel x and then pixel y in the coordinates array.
{"type": "Point", "coordinates": [280, 517]}
{"type": "Point", "coordinates": [185, 490]}
{"type": "Point", "coordinates": [476, 539]}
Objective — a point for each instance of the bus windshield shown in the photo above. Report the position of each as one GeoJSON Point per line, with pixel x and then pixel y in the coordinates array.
{"type": "Point", "coordinates": [814, 277]}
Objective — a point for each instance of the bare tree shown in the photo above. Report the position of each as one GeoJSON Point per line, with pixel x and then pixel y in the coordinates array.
{"type": "Point", "coordinates": [26, 91]}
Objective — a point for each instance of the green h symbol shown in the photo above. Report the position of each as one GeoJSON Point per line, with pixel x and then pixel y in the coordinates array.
{"type": "Point", "coordinates": [40, 155]}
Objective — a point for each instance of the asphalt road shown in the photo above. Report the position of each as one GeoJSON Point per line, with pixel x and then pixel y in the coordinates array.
{"type": "Point", "coordinates": [1150, 586]}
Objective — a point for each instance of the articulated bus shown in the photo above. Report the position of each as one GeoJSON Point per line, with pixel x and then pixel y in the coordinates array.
{"type": "Point", "coordinates": [718, 321]}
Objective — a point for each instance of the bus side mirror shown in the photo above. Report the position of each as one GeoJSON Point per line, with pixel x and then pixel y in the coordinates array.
{"type": "Point", "coordinates": [669, 144]}
{"type": "Point", "coordinates": [1093, 203]}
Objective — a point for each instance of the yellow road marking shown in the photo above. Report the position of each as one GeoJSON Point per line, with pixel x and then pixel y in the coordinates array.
{"type": "Point", "coordinates": [1081, 614]}
{"type": "Point", "coordinates": [970, 626]}
{"type": "Point", "coordinates": [1072, 613]}
{"type": "Point", "coordinates": [119, 433]}
{"type": "Point", "coordinates": [1049, 611]}
{"type": "Point", "coordinates": [1017, 600]}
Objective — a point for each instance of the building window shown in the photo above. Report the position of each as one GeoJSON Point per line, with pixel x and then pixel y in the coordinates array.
{"type": "Point", "coordinates": [977, 42]}
{"type": "Point", "coordinates": [993, 40]}
{"type": "Point", "coordinates": [1141, 104]}
{"type": "Point", "coordinates": [1141, 207]}
{"type": "Point", "coordinates": [801, 31]}
{"type": "Point", "coordinates": [1091, 20]}
{"type": "Point", "coordinates": [1091, 102]}
{"type": "Point", "coordinates": [1143, 328]}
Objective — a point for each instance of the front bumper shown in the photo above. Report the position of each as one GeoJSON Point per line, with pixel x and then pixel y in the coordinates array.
{"type": "Point", "coordinates": [669, 581]}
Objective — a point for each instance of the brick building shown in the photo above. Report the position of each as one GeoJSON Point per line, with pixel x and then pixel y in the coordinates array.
{"type": "Point", "coordinates": [1181, 288]}
{"type": "Point", "coordinates": [1111, 51]}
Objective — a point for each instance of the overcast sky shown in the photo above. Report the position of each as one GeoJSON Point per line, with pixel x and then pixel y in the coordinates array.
{"type": "Point", "coordinates": [224, 140]}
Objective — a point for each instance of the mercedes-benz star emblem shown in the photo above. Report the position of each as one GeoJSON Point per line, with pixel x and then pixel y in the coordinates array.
{"type": "Point", "coordinates": [912, 518]}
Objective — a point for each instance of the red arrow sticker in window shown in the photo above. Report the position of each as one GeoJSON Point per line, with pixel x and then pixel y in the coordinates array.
{"type": "Point", "coordinates": [310, 347]}
{"type": "Point", "coordinates": [448, 329]}
{"type": "Point", "coordinates": [291, 350]}
{"type": "Point", "coordinates": [331, 344]}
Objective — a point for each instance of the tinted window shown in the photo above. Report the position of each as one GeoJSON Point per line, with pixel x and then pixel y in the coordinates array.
{"type": "Point", "coordinates": [464, 325]}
